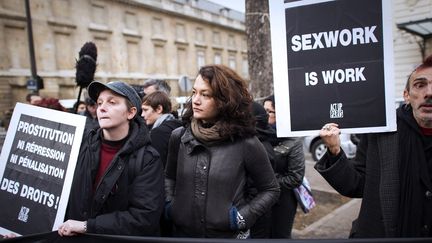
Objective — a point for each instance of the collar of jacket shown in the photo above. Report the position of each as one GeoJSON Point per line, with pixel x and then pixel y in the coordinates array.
{"type": "Point", "coordinates": [190, 142]}
{"type": "Point", "coordinates": [138, 137]}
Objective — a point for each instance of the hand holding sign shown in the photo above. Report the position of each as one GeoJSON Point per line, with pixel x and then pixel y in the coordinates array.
{"type": "Point", "coordinates": [72, 227]}
{"type": "Point", "coordinates": [330, 135]}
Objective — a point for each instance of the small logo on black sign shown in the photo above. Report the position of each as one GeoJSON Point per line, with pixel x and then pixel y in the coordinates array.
{"type": "Point", "coordinates": [23, 214]}
{"type": "Point", "coordinates": [336, 110]}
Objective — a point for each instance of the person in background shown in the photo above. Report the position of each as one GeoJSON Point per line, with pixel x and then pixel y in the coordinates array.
{"type": "Point", "coordinates": [289, 168]}
{"type": "Point", "coordinates": [156, 108]}
{"type": "Point", "coordinates": [266, 134]}
{"type": "Point", "coordinates": [118, 181]}
{"type": "Point", "coordinates": [91, 114]}
{"type": "Point", "coordinates": [156, 111]}
{"type": "Point", "coordinates": [210, 160]}
{"type": "Point", "coordinates": [392, 171]}
{"type": "Point", "coordinates": [81, 107]}
{"type": "Point", "coordinates": [32, 98]}
{"type": "Point", "coordinates": [50, 103]}
{"type": "Point", "coordinates": [152, 85]}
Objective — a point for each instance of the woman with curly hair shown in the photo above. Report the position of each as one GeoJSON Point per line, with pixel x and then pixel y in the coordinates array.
{"type": "Point", "coordinates": [210, 160]}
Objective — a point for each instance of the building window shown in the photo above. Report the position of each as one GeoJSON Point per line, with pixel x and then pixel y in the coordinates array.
{"type": "Point", "coordinates": [180, 32]}
{"type": "Point", "coordinates": [157, 27]}
{"type": "Point", "coordinates": [181, 61]}
{"type": "Point", "coordinates": [245, 67]}
{"type": "Point", "coordinates": [159, 59]}
{"type": "Point", "coordinates": [244, 44]}
{"type": "Point", "coordinates": [99, 14]}
{"type": "Point", "coordinates": [216, 38]}
{"type": "Point", "coordinates": [224, 12]}
{"type": "Point", "coordinates": [217, 58]}
{"type": "Point", "coordinates": [17, 47]}
{"type": "Point", "coordinates": [60, 8]}
{"type": "Point", "coordinates": [63, 45]}
{"type": "Point", "coordinates": [199, 35]}
{"type": "Point", "coordinates": [131, 21]}
{"type": "Point", "coordinates": [231, 41]}
{"type": "Point", "coordinates": [104, 54]}
{"type": "Point", "coordinates": [134, 55]}
{"type": "Point", "coordinates": [17, 6]}
{"type": "Point", "coordinates": [200, 58]}
{"type": "Point", "coordinates": [232, 61]}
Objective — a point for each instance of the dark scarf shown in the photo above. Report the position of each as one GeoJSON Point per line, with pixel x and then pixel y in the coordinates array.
{"type": "Point", "coordinates": [412, 167]}
{"type": "Point", "coordinates": [207, 133]}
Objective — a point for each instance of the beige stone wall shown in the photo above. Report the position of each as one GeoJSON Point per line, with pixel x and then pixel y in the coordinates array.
{"type": "Point", "coordinates": [136, 40]}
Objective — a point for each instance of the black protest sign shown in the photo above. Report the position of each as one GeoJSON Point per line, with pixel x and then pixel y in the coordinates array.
{"type": "Point", "coordinates": [37, 162]}
{"type": "Point", "coordinates": [336, 65]}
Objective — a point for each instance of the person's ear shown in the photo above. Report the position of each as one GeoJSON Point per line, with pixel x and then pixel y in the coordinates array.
{"type": "Point", "coordinates": [159, 109]}
{"type": "Point", "coordinates": [132, 112]}
{"type": "Point", "coordinates": [406, 96]}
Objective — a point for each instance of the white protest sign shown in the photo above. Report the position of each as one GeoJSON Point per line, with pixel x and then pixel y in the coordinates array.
{"type": "Point", "coordinates": [332, 62]}
{"type": "Point", "coordinates": [37, 164]}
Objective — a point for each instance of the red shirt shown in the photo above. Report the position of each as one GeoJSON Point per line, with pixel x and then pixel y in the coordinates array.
{"type": "Point", "coordinates": [107, 153]}
{"type": "Point", "coordinates": [426, 131]}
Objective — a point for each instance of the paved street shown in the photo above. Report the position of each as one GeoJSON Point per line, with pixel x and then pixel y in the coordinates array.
{"type": "Point", "coordinates": [335, 225]}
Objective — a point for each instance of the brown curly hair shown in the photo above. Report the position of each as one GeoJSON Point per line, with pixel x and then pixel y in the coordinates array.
{"type": "Point", "coordinates": [232, 99]}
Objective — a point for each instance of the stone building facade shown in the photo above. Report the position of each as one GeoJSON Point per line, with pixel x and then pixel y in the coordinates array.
{"type": "Point", "coordinates": [136, 40]}
{"type": "Point", "coordinates": [141, 39]}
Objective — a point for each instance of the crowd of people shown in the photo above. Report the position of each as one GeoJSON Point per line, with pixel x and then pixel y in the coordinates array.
{"type": "Point", "coordinates": [220, 171]}
{"type": "Point", "coordinates": [143, 170]}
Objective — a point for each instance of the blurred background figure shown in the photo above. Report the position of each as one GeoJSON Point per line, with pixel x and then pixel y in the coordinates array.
{"type": "Point", "coordinates": [152, 85]}
{"type": "Point", "coordinates": [50, 103]}
{"type": "Point", "coordinates": [90, 113]}
{"type": "Point", "coordinates": [156, 108]}
{"type": "Point", "coordinates": [32, 98]}
{"type": "Point", "coordinates": [266, 134]}
{"type": "Point", "coordinates": [289, 167]}
{"type": "Point", "coordinates": [156, 111]}
{"type": "Point", "coordinates": [81, 107]}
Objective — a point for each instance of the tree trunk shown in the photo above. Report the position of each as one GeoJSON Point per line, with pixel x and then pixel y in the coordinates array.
{"type": "Point", "coordinates": [259, 48]}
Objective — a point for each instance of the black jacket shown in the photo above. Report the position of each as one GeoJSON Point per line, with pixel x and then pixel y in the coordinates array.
{"type": "Point", "coordinates": [160, 137]}
{"type": "Point", "coordinates": [373, 175]}
{"type": "Point", "coordinates": [289, 164]}
{"type": "Point", "coordinates": [129, 198]}
{"type": "Point", "coordinates": [204, 182]}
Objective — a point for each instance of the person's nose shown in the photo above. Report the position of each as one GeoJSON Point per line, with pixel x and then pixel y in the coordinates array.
{"type": "Point", "coordinates": [196, 99]}
{"type": "Point", "coordinates": [101, 107]}
{"type": "Point", "coordinates": [429, 89]}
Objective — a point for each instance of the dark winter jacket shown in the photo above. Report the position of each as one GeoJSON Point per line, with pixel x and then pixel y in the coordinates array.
{"type": "Point", "coordinates": [160, 137]}
{"type": "Point", "coordinates": [91, 123]}
{"type": "Point", "coordinates": [374, 176]}
{"type": "Point", "coordinates": [204, 182]}
{"type": "Point", "coordinates": [129, 198]}
{"type": "Point", "coordinates": [363, 178]}
{"type": "Point", "coordinates": [289, 164]}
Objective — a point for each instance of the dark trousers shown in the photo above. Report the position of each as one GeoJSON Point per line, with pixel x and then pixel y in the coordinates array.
{"type": "Point", "coordinates": [283, 214]}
